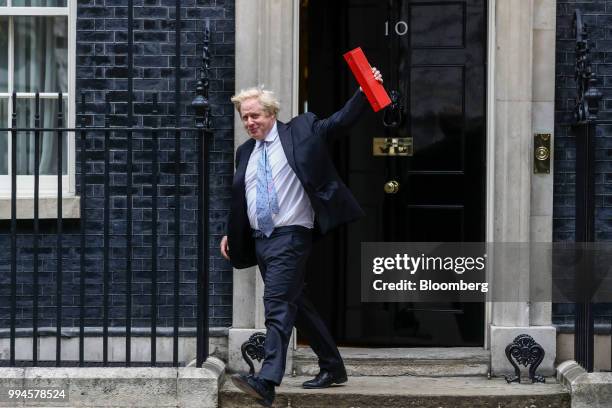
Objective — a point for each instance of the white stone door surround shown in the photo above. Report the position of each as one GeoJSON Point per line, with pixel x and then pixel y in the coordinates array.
{"type": "Point", "coordinates": [520, 102]}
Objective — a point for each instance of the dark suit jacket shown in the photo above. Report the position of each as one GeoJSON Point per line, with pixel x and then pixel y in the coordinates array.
{"type": "Point", "coordinates": [304, 142]}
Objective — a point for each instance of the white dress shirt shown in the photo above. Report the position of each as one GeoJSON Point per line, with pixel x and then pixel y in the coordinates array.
{"type": "Point", "coordinates": [293, 203]}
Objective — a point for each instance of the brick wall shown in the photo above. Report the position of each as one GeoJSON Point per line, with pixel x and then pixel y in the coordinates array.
{"type": "Point", "coordinates": [102, 70]}
{"type": "Point", "coordinates": [598, 15]}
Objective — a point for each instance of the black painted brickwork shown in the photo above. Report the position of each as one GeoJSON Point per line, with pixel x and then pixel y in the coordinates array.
{"type": "Point", "coordinates": [598, 15]}
{"type": "Point", "coordinates": [102, 69]}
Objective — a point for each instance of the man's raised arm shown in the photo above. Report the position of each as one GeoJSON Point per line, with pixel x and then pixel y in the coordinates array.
{"type": "Point", "coordinates": [349, 113]}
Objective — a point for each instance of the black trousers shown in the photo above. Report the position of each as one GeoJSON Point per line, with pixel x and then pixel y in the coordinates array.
{"type": "Point", "coordinates": [282, 263]}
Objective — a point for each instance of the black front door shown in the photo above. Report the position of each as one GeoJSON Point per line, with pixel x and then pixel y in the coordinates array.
{"type": "Point", "coordinates": [433, 53]}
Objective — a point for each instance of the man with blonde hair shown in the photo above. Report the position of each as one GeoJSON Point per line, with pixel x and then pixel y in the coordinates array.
{"type": "Point", "coordinates": [285, 186]}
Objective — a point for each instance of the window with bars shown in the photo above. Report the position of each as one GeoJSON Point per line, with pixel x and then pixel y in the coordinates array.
{"type": "Point", "coordinates": [36, 55]}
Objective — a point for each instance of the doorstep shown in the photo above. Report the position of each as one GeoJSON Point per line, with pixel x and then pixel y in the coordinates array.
{"type": "Point", "coordinates": [409, 392]}
{"type": "Point", "coordinates": [428, 362]}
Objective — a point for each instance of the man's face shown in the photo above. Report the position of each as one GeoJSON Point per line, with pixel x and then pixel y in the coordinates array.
{"type": "Point", "coordinates": [256, 121]}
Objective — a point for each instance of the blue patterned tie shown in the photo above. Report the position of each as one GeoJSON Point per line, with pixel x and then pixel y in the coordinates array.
{"type": "Point", "coordinates": [267, 202]}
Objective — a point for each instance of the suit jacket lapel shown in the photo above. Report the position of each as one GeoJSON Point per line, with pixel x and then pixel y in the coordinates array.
{"type": "Point", "coordinates": [284, 132]}
{"type": "Point", "coordinates": [244, 160]}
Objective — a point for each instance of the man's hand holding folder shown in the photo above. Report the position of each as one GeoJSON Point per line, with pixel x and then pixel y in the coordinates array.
{"type": "Point", "coordinates": [371, 86]}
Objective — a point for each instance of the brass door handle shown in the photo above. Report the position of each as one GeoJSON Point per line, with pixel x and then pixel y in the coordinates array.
{"type": "Point", "coordinates": [391, 187]}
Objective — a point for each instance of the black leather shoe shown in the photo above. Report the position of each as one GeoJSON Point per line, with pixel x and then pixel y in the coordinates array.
{"type": "Point", "coordinates": [325, 379]}
{"type": "Point", "coordinates": [258, 388]}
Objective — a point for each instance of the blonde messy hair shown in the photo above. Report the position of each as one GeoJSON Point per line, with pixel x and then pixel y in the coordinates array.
{"type": "Point", "coordinates": [268, 100]}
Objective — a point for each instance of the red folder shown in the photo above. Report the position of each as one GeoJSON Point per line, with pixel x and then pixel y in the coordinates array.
{"type": "Point", "coordinates": [375, 92]}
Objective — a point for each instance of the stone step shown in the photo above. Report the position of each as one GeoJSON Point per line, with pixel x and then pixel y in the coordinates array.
{"type": "Point", "coordinates": [409, 392]}
{"type": "Point", "coordinates": [428, 362]}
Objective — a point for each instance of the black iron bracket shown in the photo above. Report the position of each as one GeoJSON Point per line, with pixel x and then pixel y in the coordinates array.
{"type": "Point", "coordinates": [253, 348]}
{"type": "Point", "coordinates": [525, 351]}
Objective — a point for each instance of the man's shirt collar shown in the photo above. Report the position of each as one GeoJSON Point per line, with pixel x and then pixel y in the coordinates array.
{"type": "Point", "coordinates": [270, 137]}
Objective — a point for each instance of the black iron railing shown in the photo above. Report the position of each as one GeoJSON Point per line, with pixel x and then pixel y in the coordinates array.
{"type": "Point", "coordinates": [110, 134]}
{"type": "Point", "coordinates": [107, 136]}
{"type": "Point", "coordinates": [585, 126]}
